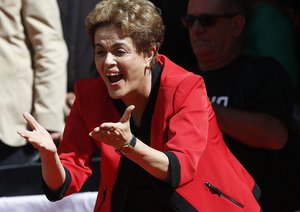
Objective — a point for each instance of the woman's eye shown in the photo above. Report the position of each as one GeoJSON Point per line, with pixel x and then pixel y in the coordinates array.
{"type": "Point", "coordinates": [120, 52]}
{"type": "Point", "coordinates": [100, 53]}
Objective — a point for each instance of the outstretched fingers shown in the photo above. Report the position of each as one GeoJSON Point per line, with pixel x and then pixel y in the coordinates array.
{"type": "Point", "coordinates": [31, 121]}
{"type": "Point", "coordinates": [114, 134]}
{"type": "Point", "coordinates": [24, 134]}
{"type": "Point", "coordinates": [38, 137]}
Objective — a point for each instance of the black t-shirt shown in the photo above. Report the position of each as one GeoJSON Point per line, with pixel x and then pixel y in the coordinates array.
{"type": "Point", "coordinates": [257, 84]}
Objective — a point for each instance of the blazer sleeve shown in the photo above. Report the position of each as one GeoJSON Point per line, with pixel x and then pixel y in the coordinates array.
{"type": "Point", "coordinates": [77, 147]}
{"type": "Point", "coordinates": [42, 24]}
{"type": "Point", "coordinates": [188, 129]}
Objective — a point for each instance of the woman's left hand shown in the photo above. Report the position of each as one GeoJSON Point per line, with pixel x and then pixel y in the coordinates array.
{"type": "Point", "coordinates": [115, 134]}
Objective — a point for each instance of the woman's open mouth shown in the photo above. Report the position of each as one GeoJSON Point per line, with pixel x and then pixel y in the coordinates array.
{"type": "Point", "coordinates": [113, 78]}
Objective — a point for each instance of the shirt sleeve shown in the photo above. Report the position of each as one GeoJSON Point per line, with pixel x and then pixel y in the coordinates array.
{"type": "Point", "coordinates": [42, 24]}
{"type": "Point", "coordinates": [270, 90]}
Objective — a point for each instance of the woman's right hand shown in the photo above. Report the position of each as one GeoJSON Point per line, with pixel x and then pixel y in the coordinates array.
{"type": "Point", "coordinates": [52, 169]}
{"type": "Point", "coordinates": [39, 137]}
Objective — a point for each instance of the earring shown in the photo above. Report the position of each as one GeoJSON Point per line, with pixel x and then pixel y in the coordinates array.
{"type": "Point", "coordinates": [148, 66]}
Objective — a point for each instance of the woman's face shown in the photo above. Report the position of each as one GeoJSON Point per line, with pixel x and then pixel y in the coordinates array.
{"type": "Point", "coordinates": [119, 64]}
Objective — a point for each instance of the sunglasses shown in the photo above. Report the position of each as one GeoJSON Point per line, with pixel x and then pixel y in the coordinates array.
{"type": "Point", "coordinates": [205, 20]}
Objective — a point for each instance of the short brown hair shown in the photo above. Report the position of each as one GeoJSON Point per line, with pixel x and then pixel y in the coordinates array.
{"type": "Point", "coordinates": [138, 19]}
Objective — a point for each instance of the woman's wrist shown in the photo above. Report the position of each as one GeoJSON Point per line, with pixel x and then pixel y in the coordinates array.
{"type": "Point", "coordinates": [127, 147]}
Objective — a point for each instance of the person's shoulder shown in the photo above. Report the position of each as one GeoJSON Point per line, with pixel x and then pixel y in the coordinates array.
{"type": "Point", "coordinates": [262, 68]}
{"type": "Point", "coordinates": [266, 62]}
{"type": "Point", "coordinates": [259, 61]}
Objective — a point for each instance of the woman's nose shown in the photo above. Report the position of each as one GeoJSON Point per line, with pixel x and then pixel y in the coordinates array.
{"type": "Point", "coordinates": [110, 59]}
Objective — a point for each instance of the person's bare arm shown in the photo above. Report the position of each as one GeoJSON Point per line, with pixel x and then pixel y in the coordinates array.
{"type": "Point", "coordinates": [254, 129]}
{"type": "Point", "coordinates": [52, 169]}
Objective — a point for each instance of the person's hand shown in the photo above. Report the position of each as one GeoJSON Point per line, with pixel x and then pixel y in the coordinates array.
{"type": "Point", "coordinates": [70, 99]}
{"type": "Point", "coordinates": [56, 137]}
{"type": "Point", "coordinates": [69, 102]}
{"type": "Point", "coordinates": [39, 137]}
{"type": "Point", "coordinates": [115, 134]}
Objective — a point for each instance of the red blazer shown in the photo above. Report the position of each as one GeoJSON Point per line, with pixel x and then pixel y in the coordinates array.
{"type": "Point", "coordinates": [183, 122]}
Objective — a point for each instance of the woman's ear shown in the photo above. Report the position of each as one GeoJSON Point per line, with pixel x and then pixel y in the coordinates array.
{"type": "Point", "coordinates": [151, 53]}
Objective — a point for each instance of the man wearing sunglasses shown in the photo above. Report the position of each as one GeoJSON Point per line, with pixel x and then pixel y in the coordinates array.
{"type": "Point", "coordinates": [251, 96]}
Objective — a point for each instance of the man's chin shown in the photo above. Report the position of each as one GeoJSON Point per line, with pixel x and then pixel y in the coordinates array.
{"type": "Point", "coordinates": [201, 54]}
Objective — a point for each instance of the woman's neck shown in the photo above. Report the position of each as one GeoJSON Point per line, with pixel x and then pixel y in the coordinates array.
{"type": "Point", "coordinates": [139, 99]}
